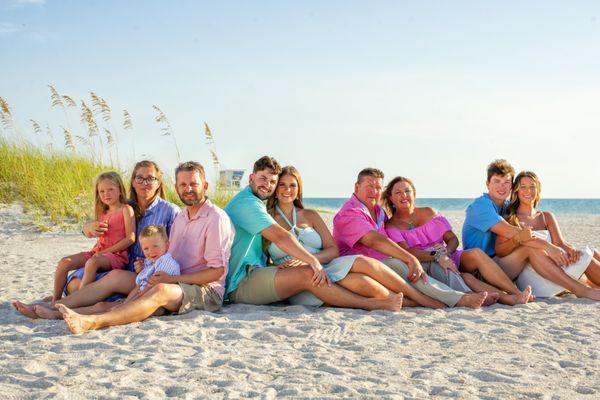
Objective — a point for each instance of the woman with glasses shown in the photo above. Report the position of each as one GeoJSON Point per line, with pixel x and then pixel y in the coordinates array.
{"type": "Point", "coordinates": [146, 195]}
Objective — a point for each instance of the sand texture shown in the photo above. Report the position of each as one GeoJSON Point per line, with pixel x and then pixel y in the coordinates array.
{"type": "Point", "coordinates": [543, 350]}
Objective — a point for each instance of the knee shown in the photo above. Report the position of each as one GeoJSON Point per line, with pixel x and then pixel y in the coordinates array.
{"type": "Point", "coordinates": [105, 306]}
{"type": "Point", "coordinates": [91, 264]}
{"type": "Point", "coordinates": [365, 263]}
{"type": "Point", "coordinates": [63, 264]}
{"type": "Point", "coordinates": [161, 292]}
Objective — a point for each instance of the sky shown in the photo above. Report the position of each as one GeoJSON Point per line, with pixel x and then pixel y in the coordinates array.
{"type": "Point", "coordinates": [430, 90]}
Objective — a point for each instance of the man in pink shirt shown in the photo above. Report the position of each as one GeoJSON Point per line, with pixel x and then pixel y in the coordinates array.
{"type": "Point", "coordinates": [358, 228]}
{"type": "Point", "coordinates": [201, 239]}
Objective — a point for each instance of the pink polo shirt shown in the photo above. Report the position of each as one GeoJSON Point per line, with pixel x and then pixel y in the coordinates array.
{"type": "Point", "coordinates": [354, 221]}
{"type": "Point", "coordinates": [203, 242]}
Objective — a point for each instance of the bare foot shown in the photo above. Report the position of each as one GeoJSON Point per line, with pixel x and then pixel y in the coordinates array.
{"type": "Point", "coordinates": [391, 303]}
{"type": "Point", "coordinates": [77, 323]}
{"type": "Point", "coordinates": [47, 299]}
{"type": "Point", "coordinates": [472, 300]}
{"type": "Point", "coordinates": [593, 294]}
{"type": "Point", "coordinates": [46, 313]}
{"type": "Point", "coordinates": [25, 309]}
{"type": "Point", "coordinates": [518, 298]}
{"type": "Point", "coordinates": [492, 298]}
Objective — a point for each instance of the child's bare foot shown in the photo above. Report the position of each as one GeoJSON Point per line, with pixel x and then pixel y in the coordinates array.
{"type": "Point", "coordinates": [391, 303]}
{"type": "Point", "coordinates": [76, 323]}
{"type": "Point", "coordinates": [472, 300]}
{"type": "Point", "coordinates": [25, 309]}
{"type": "Point", "coordinates": [518, 298]}
{"type": "Point", "coordinates": [46, 313]}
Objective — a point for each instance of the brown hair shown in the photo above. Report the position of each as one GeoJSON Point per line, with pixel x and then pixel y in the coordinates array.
{"type": "Point", "coordinates": [499, 167]}
{"type": "Point", "coordinates": [154, 230]}
{"type": "Point", "coordinates": [272, 200]}
{"type": "Point", "coordinates": [510, 214]}
{"type": "Point", "coordinates": [387, 193]}
{"type": "Point", "coordinates": [266, 162]}
{"type": "Point", "coordinates": [372, 172]}
{"type": "Point", "coordinates": [99, 207]}
{"type": "Point", "coordinates": [160, 192]}
{"type": "Point", "coordinates": [191, 166]}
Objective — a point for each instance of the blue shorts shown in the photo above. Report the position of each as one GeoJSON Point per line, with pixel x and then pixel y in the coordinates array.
{"type": "Point", "coordinates": [78, 273]}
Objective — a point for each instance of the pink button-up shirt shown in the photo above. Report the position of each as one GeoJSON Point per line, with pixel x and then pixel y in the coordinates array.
{"type": "Point", "coordinates": [354, 221]}
{"type": "Point", "coordinates": [203, 241]}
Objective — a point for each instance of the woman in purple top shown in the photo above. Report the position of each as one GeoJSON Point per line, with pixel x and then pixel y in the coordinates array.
{"type": "Point", "coordinates": [429, 237]}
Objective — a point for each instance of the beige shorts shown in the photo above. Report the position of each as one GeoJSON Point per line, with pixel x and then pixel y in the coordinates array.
{"type": "Point", "coordinates": [199, 297]}
{"type": "Point", "coordinates": [258, 287]}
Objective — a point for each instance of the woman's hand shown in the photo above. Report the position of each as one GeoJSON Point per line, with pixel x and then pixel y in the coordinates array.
{"type": "Point", "coordinates": [94, 229]}
{"type": "Point", "coordinates": [448, 264]}
{"type": "Point", "coordinates": [138, 265]}
{"type": "Point", "coordinates": [320, 277]}
{"type": "Point", "coordinates": [415, 271]}
{"type": "Point", "coordinates": [573, 253]}
{"type": "Point", "coordinates": [558, 255]}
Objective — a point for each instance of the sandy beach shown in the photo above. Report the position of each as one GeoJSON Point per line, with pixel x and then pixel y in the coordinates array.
{"type": "Point", "coordinates": [543, 350]}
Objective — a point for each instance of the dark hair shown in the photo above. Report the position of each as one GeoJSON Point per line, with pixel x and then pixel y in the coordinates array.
{"type": "Point", "coordinates": [510, 215]}
{"type": "Point", "coordinates": [500, 167]}
{"type": "Point", "coordinates": [387, 193]}
{"type": "Point", "coordinates": [372, 172]}
{"type": "Point", "coordinates": [191, 166]}
{"type": "Point", "coordinates": [160, 192]}
{"type": "Point", "coordinates": [154, 230]}
{"type": "Point", "coordinates": [266, 162]}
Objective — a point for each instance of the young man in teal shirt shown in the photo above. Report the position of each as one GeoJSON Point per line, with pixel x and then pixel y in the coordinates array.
{"type": "Point", "coordinates": [249, 279]}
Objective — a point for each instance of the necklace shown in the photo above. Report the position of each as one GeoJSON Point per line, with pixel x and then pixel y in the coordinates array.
{"type": "Point", "coordinates": [409, 222]}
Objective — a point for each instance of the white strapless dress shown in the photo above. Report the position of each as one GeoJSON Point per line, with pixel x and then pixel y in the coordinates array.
{"type": "Point", "coordinates": [542, 287]}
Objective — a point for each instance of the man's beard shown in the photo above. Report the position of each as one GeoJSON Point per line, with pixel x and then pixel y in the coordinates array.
{"type": "Point", "coordinates": [190, 201]}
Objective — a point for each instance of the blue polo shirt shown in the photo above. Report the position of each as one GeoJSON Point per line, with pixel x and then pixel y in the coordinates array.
{"type": "Point", "coordinates": [249, 217]}
{"type": "Point", "coordinates": [481, 215]}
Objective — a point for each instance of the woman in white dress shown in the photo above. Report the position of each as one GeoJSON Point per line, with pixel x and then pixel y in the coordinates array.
{"type": "Point", "coordinates": [359, 274]}
{"type": "Point", "coordinates": [522, 212]}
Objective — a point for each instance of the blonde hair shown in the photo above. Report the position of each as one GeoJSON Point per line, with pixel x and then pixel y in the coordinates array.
{"type": "Point", "coordinates": [154, 230]}
{"type": "Point", "coordinates": [99, 207]}
{"type": "Point", "coordinates": [510, 215]}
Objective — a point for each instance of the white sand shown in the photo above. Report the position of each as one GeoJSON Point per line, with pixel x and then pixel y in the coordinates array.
{"type": "Point", "coordinates": [548, 349]}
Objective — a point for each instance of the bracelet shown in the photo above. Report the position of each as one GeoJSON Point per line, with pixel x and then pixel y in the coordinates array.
{"type": "Point", "coordinates": [438, 254]}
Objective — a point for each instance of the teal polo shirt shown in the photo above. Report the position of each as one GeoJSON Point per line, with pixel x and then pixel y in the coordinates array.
{"type": "Point", "coordinates": [249, 216]}
{"type": "Point", "coordinates": [481, 215]}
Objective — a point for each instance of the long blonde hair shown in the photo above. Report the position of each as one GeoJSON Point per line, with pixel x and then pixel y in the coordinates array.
{"type": "Point", "coordinates": [510, 214]}
{"type": "Point", "coordinates": [99, 207]}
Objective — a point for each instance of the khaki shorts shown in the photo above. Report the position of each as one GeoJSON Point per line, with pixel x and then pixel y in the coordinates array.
{"type": "Point", "coordinates": [199, 297]}
{"type": "Point", "coordinates": [258, 287]}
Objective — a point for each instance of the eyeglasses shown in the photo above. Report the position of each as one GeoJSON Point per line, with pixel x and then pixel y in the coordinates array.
{"type": "Point", "coordinates": [149, 180]}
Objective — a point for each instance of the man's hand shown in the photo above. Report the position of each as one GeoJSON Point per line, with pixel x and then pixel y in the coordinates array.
{"type": "Point", "coordinates": [320, 277]}
{"type": "Point", "coordinates": [294, 262]}
{"type": "Point", "coordinates": [95, 229]}
{"type": "Point", "coordinates": [415, 271]}
{"type": "Point", "coordinates": [138, 265]}
{"type": "Point", "coordinates": [161, 277]}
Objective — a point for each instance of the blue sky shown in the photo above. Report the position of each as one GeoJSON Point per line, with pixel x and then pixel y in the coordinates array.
{"type": "Point", "coordinates": [432, 90]}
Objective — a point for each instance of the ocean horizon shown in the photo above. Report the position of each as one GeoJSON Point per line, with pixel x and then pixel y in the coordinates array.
{"type": "Point", "coordinates": [556, 206]}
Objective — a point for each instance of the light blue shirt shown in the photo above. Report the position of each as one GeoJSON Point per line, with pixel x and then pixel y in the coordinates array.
{"type": "Point", "coordinates": [160, 212]}
{"type": "Point", "coordinates": [165, 263]}
{"type": "Point", "coordinates": [249, 217]}
{"type": "Point", "coordinates": [481, 215]}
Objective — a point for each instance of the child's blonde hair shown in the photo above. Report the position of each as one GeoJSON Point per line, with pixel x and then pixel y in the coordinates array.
{"type": "Point", "coordinates": [99, 207]}
{"type": "Point", "coordinates": [154, 230]}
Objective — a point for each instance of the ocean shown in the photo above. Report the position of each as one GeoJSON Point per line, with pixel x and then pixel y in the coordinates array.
{"type": "Point", "coordinates": [556, 206]}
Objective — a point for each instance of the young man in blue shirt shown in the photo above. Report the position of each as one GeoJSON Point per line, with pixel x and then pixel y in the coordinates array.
{"type": "Point", "coordinates": [484, 221]}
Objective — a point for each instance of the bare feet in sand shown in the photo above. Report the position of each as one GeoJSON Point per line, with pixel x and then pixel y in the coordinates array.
{"type": "Point", "coordinates": [46, 313]}
{"type": "Point", "coordinates": [391, 303]}
{"type": "Point", "coordinates": [76, 323]}
{"type": "Point", "coordinates": [518, 298]}
{"type": "Point", "coordinates": [593, 294]}
{"type": "Point", "coordinates": [25, 309]}
{"type": "Point", "coordinates": [472, 300]}
{"type": "Point", "coordinates": [492, 298]}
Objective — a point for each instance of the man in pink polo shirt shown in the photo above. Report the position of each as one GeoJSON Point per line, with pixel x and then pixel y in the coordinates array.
{"type": "Point", "coordinates": [200, 240]}
{"type": "Point", "coordinates": [359, 228]}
